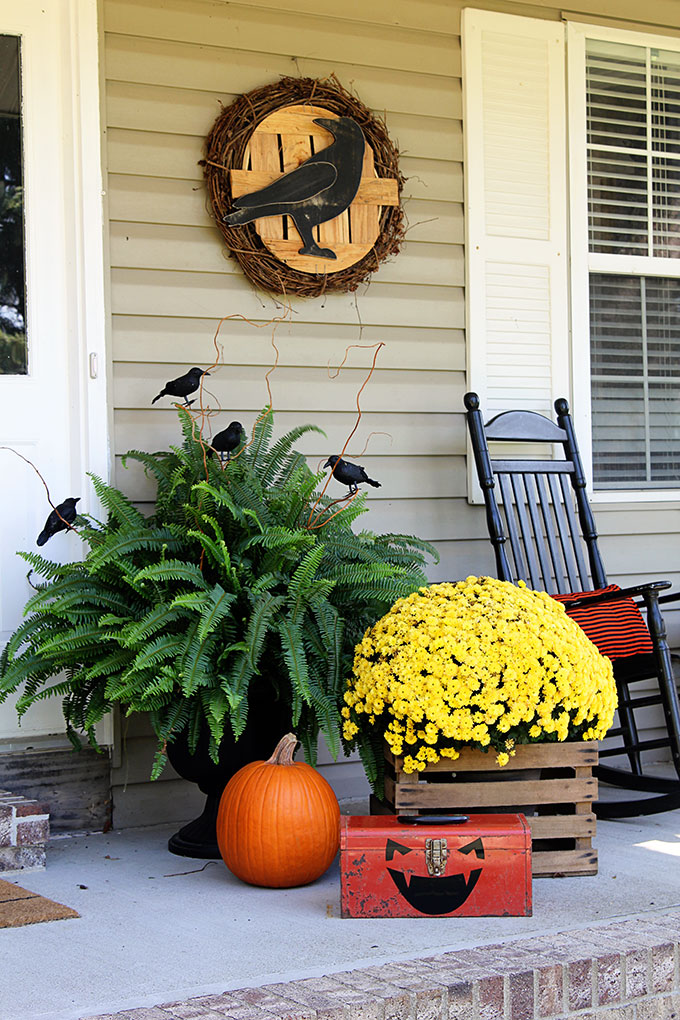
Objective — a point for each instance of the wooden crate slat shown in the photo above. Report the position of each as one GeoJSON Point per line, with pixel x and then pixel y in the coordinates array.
{"type": "Point", "coordinates": [494, 794]}
{"type": "Point", "coordinates": [334, 232]}
{"type": "Point", "coordinates": [563, 862]}
{"type": "Point", "coordinates": [297, 119]}
{"type": "Point", "coordinates": [377, 191]}
{"type": "Point", "coordinates": [365, 219]}
{"type": "Point", "coordinates": [295, 149]}
{"type": "Point", "coordinates": [263, 152]}
{"type": "Point", "coordinates": [287, 251]}
{"type": "Point", "coordinates": [561, 826]}
{"type": "Point", "coordinates": [372, 191]}
{"type": "Point", "coordinates": [527, 756]}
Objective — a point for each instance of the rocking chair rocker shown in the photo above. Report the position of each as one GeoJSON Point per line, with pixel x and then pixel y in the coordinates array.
{"type": "Point", "coordinates": [544, 502]}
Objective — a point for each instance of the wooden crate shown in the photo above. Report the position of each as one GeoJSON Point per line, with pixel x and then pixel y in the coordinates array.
{"type": "Point", "coordinates": [552, 784]}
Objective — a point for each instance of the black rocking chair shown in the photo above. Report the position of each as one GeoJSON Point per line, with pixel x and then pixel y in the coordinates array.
{"type": "Point", "coordinates": [549, 526]}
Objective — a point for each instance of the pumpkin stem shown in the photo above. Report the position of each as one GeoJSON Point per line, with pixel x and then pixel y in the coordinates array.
{"type": "Point", "coordinates": [284, 751]}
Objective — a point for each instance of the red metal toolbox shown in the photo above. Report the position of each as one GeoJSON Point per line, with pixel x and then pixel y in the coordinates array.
{"type": "Point", "coordinates": [435, 866]}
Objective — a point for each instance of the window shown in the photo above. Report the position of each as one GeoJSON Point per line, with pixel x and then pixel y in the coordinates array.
{"type": "Point", "coordinates": [573, 279]}
{"type": "Point", "coordinates": [13, 360]}
{"type": "Point", "coordinates": [633, 109]}
{"type": "Point", "coordinates": [635, 379]}
{"type": "Point", "coordinates": [632, 157]}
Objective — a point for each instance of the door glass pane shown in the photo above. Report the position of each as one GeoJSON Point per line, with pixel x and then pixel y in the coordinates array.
{"type": "Point", "coordinates": [13, 353]}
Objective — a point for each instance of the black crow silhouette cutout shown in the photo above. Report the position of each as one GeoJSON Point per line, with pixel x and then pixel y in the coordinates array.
{"type": "Point", "coordinates": [318, 190]}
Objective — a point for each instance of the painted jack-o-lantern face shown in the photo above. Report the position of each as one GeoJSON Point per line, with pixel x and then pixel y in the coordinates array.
{"type": "Point", "coordinates": [435, 894]}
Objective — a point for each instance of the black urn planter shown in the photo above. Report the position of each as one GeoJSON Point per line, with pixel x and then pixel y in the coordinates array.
{"type": "Point", "coordinates": [268, 720]}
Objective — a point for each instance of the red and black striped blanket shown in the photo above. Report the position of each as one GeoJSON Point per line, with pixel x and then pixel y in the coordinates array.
{"type": "Point", "coordinates": [617, 629]}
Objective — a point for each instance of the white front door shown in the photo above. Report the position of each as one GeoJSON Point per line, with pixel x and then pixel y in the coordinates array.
{"type": "Point", "coordinates": [52, 359]}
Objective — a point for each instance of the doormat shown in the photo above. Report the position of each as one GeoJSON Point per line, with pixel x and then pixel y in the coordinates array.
{"type": "Point", "coordinates": [19, 906]}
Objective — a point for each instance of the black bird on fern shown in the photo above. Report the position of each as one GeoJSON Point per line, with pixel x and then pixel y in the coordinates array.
{"type": "Point", "coordinates": [316, 191]}
{"type": "Point", "coordinates": [228, 439]}
{"type": "Point", "coordinates": [182, 386]}
{"type": "Point", "coordinates": [349, 474]}
{"type": "Point", "coordinates": [59, 519]}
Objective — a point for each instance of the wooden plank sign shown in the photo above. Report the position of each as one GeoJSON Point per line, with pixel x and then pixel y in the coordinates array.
{"type": "Point", "coordinates": [283, 142]}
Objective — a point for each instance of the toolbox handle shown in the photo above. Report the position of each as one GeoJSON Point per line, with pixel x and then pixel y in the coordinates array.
{"type": "Point", "coordinates": [432, 819]}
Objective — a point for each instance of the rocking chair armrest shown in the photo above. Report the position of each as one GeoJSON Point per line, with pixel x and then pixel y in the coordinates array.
{"type": "Point", "coordinates": [650, 589]}
{"type": "Point", "coordinates": [673, 597]}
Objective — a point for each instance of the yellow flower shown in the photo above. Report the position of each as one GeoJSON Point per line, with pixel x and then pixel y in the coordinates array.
{"type": "Point", "coordinates": [478, 663]}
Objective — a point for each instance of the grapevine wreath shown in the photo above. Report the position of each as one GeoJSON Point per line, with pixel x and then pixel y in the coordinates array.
{"type": "Point", "coordinates": [226, 147]}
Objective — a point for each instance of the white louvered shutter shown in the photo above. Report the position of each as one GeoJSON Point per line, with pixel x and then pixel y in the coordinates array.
{"type": "Point", "coordinates": [516, 210]}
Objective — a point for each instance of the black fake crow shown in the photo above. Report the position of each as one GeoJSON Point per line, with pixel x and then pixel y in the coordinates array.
{"type": "Point", "coordinates": [349, 474]}
{"type": "Point", "coordinates": [316, 191]}
{"type": "Point", "coordinates": [228, 439]}
{"type": "Point", "coordinates": [182, 386]}
{"type": "Point", "coordinates": [54, 522]}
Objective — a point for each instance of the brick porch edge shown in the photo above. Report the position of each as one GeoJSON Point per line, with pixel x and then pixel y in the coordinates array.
{"type": "Point", "coordinates": [24, 832]}
{"type": "Point", "coordinates": [628, 970]}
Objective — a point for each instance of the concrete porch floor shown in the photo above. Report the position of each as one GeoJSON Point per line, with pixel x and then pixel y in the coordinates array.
{"type": "Point", "coordinates": [155, 927]}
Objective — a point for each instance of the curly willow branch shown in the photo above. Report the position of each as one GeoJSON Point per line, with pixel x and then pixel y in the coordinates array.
{"type": "Point", "coordinates": [47, 491]}
{"type": "Point", "coordinates": [368, 439]}
{"type": "Point", "coordinates": [347, 500]}
{"type": "Point", "coordinates": [201, 417]}
{"type": "Point", "coordinates": [378, 347]}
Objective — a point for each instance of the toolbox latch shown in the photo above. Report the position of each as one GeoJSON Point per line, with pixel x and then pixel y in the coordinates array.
{"type": "Point", "coordinates": [436, 854]}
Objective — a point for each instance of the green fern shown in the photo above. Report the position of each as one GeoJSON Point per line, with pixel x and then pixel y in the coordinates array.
{"type": "Point", "coordinates": [223, 591]}
{"type": "Point", "coordinates": [49, 570]}
{"type": "Point", "coordinates": [120, 508]}
{"type": "Point", "coordinates": [161, 617]}
{"type": "Point", "coordinates": [261, 438]}
{"type": "Point", "coordinates": [272, 462]}
{"type": "Point", "coordinates": [172, 570]}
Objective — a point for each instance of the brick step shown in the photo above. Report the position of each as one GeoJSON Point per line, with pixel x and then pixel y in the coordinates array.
{"type": "Point", "coordinates": [24, 832]}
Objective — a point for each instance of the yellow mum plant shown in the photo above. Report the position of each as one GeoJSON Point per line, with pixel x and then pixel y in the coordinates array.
{"type": "Point", "coordinates": [479, 663]}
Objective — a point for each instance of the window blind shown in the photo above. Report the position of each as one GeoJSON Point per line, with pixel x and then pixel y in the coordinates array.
{"type": "Point", "coordinates": [633, 145]}
{"type": "Point", "coordinates": [635, 372]}
{"type": "Point", "coordinates": [633, 170]}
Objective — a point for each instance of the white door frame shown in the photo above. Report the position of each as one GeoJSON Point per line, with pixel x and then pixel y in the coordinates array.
{"type": "Point", "coordinates": [88, 273]}
{"type": "Point", "coordinates": [62, 45]}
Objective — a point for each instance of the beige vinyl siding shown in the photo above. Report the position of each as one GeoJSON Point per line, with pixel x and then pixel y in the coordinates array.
{"type": "Point", "coordinates": [168, 65]}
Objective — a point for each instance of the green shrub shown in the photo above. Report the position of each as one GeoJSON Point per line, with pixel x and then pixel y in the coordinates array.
{"type": "Point", "coordinates": [175, 614]}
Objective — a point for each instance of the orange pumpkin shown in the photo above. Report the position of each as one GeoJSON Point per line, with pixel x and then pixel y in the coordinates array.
{"type": "Point", "coordinates": [279, 821]}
